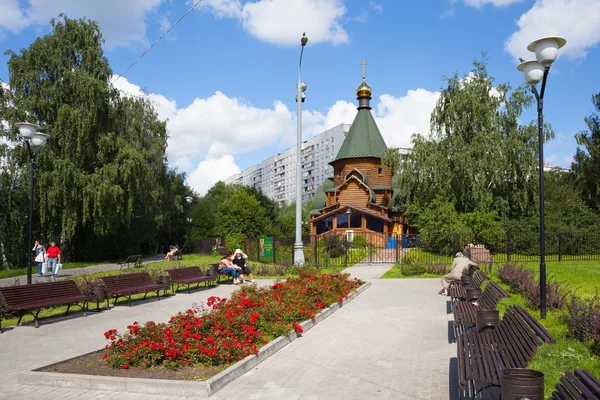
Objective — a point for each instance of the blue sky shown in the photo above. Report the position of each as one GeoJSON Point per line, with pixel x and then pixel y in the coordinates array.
{"type": "Point", "coordinates": [225, 77]}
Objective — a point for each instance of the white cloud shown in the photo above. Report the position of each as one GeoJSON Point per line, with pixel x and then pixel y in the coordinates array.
{"type": "Point", "coordinates": [495, 3]}
{"type": "Point", "coordinates": [11, 17]}
{"type": "Point", "coordinates": [399, 118]}
{"type": "Point", "coordinates": [575, 20]}
{"type": "Point", "coordinates": [283, 21]}
{"type": "Point", "coordinates": [122, 22]}
{"type": "Point", "coordinates": [210, 171]}
{"type": "Point", "coordinates": [205, 136]}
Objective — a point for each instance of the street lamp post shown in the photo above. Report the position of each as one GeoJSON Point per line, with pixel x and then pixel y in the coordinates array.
{"type": "Point", "coordinates": [35, 141]}
{"type": "Point", "coordinates": [189, 220]}
{"type": "Point", "coordinates": [300, 96]}
{"type": "Point", "coordinates": [534, 71]}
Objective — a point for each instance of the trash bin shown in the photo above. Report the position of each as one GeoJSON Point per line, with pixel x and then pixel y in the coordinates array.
{"type": "Point", "coordinates": [521, 383]}
{"type": "Point", "coordinates": [487, 319]}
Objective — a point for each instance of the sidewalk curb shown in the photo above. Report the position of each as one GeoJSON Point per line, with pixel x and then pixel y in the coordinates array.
{"type": "Point", "coordinates": [179, 388]}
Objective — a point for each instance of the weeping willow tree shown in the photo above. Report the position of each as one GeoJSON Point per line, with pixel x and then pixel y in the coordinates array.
{"type": "Point", "coordinates": [102, 187]}
{"type": "Point", "coordinates": [477, 155]}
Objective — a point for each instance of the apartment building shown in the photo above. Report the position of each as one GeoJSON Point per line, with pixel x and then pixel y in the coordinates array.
{"type": "Point", "coordinates": [276, 176]}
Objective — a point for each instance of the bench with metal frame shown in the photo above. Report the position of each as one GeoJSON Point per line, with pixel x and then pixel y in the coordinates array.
{"type": "Point", "coordinates": [466, 311]}
{"type": "Point", "coordinates": [579, 384]}
{"type": "Point", "coordinates": [33, 298]}
{"type": "Point", "coordinates": [482, 356]}
{"type": "Point", "coordinates": [188, 276]}
{"type": "Point", "coordinates": [126, 285]}
{"type": "Point", "coordinates": [136, 260]}
{"type": "Point", "coordinates": [459, 291]}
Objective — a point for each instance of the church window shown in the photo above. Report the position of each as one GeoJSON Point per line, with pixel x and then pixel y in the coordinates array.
{"type": "Point", "coordinates": [349, 221]}
{"type": "Point", "coordinates": [374, 224]}
{"type": "Point", "coordinates": [324, 225]}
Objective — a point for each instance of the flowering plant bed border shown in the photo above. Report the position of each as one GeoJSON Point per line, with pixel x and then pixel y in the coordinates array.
{"type": "Point", "coordinates": [181, 388]}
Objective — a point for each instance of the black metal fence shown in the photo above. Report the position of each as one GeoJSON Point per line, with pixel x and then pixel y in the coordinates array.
{"type": "Point", "coordinates": [354, 247]}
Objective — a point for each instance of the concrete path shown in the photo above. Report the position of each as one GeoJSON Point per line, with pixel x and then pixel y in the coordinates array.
{"type": "Point", "coordinates": [391, 342]}
{"type": "Point", "coordinates": [68, 273]}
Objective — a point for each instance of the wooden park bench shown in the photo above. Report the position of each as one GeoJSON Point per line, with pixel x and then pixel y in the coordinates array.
{"type": "Point", "coordinates": [579, 385]}
{"type": "Point", "coordinates": [126, 285]}
{"type": "Point", "coordinates": [482, 356]}
{"type": "Point", "coordinates": [33, 298]}
{"type": "Point", "coordinates": [465, 311]}
{"type": "Point", "coordinates": [459, 291]}
{"type": "Point", "coordinates": [135, 260]}
{"type": "Point", "coordinates": [188, 276]}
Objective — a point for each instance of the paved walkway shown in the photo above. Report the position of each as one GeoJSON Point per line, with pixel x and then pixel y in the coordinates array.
{"type": "Point", "coordinates": [391, 342]}
{"type": "Point", "coordinates": [67, 273]}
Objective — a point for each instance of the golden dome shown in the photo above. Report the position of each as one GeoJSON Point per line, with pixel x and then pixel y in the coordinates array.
{"type": "Point", "coordinates": [363, 90]}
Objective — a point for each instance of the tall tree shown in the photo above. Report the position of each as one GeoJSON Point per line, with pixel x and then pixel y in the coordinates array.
{"type": "Point", "coordinates": [477, 156]}
{"type": "Point", "coordinates": [102, 186]}
{"type": "Point", "coordinates": [242, 214]}
{"type": "Point", "coordinates": [586, 165]}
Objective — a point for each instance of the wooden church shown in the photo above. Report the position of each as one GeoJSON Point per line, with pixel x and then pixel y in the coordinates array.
{"type": "Point", "coordinates": [359, 198]}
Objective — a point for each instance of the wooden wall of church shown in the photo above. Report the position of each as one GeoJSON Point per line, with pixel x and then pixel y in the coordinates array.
{"type": "Point", "coordinates": [354, 195]}
{"type": "Point", "coordinates": [369, 167]}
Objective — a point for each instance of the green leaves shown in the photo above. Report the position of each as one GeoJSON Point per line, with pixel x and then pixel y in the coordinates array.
{"type": "Point", "coordinates": [586, 166]}
{"type": "Point", "coordinates": [102, 187]}
{"type": "Point", "coordinates": [477, 155]}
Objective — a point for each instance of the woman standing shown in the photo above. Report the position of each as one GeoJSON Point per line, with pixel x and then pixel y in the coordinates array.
{"type": "Point", "coordinates": [40, 255]}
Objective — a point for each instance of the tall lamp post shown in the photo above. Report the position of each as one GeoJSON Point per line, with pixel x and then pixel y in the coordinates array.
{"type": "Point", "coordinates": [35, 141]}
{"type": "Point", "coordinates": [300, 96]}
{"type": "Point", "coordinates": [546, 51]}
{"type": "Point", "coordinates": [189, 220]}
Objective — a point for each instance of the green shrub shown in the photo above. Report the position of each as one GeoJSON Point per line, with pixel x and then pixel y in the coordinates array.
{"type": "Point", "coordinates": [413, 269]}
{"type": "Point", "coordinates": [413, 256]}
{"type": "Point", "coordinates": [234, 241]}
{"type": "Point", "coordinates": [359, 241]}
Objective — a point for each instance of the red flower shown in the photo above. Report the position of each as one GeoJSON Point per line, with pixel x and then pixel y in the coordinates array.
{"type": "Point", "coordinates": [297, 327]}
{"type": "Point", "coordinates": [104, 355]}
{"type": "Point", "coordinates": [125, 366]}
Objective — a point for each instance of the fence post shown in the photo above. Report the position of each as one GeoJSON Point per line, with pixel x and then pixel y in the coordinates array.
{"type": "Point", "coordinates": [507, 247]}
{"type": "Point", "coordinates": [346, 250]}
{"type": "Point", "coordinates": [559, 245]}
{"type": "Point", "coordinates": [397, 248]}
{"type": "Point", "coordinates": [258, 249]}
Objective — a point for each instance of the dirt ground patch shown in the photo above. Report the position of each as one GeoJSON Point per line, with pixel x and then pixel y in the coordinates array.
{"type": "Point", "coordinates": [93, 364]}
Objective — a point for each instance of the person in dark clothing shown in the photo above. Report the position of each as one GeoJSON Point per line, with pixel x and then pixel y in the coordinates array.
{"type": "Point", "coordinates": [239, 259]}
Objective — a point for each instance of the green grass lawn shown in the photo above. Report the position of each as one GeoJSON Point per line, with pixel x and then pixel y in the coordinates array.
{"type": "Point", "coordinates": [396, 272]}
{"type": "Point", "coordinates": [583, 277]}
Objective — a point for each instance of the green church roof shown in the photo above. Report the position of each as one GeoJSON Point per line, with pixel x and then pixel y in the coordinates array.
{"type": "Point", "coordinates": [320, 199]}
{"type": "Point", "coordinates": [363, 139]}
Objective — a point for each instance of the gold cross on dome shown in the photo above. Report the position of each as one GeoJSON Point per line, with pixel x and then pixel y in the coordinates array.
{"type": "Point", "coordinates": [363, 63]}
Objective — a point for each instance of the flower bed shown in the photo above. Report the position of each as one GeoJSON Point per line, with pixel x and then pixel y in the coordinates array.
{"type": "Point", "coordinates": [228, 329]}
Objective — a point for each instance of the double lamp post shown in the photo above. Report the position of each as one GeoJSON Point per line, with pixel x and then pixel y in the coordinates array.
{"type": "Point", "coordinates": [546, 51]}
{"type": "Point", "coordinates": [35, 141]}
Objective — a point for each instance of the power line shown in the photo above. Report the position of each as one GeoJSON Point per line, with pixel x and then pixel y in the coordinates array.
{"type": "Point", "coordinates": [157, 40]}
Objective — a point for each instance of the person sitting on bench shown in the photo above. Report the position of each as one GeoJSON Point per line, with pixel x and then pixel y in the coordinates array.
{"type": "Point", "coordinates": [460, 267]}
{"type": "Point", "coordinates": [171, 252]}
{"type": "Point", "coordinates": [239, 259]}
{"type": "Point", "coordinates": [227, 267]}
